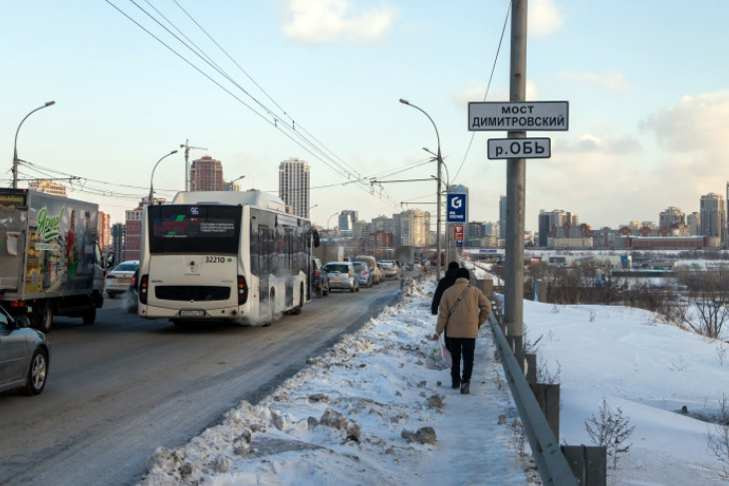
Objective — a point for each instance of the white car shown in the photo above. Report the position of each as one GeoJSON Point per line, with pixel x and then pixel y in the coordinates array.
{"type": "Point", "coordinates": [342, 276]}
{"type": "Point", "coordinates": [117, 280]}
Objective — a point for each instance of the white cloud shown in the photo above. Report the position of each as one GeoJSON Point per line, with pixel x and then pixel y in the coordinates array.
{"type": "Point", "coordinates": [588, 142]}
{"type": "Point", "coordinates": [611, 81]}
{"type": "Point", "coordinates": [317, 21]}
{"type": "Point", "coordinates": [544, 18]}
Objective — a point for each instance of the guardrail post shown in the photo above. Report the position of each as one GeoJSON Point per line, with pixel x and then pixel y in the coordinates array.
{"type": "Point", "coordinates": [531, 368]}
{"type": "Point", "coordinates": [547, 396]}
{"type": "Point", "coordinates": [588, 463]}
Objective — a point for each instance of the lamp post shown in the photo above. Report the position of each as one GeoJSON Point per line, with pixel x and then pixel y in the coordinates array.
{"type": "Point", "coordinates": [231, 184]}
{"type": "Point", "coordinates": [151, 178]}
{"type": "Point", "coordinates": [438, 189]}
{"type": "Point", "coordinates": [16, 160]}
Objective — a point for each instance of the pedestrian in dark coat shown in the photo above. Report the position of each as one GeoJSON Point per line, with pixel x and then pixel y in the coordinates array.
{"type": "Point", "coordinates": [448, 279]}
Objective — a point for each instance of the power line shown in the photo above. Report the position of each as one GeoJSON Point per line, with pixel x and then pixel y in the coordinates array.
{"type": "Point", "coordinates": [200, 53]}
{"type": "Point", "coordinates": [488, 88]}
{"type": "Point", "coordinates": [250, 77]}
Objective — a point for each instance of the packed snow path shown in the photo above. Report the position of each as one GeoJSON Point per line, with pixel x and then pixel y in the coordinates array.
{"type": "Point", "coordinates": [375, 409]}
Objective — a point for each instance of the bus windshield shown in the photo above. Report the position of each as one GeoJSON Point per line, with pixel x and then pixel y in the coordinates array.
{"type": "Point", "coordinates": [194, 229]}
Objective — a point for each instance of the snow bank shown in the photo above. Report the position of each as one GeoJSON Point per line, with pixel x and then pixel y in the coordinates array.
{"type": "Point", "coordinates": [372, 410]}
{"type": "Point", "coordinates": [647, 368]}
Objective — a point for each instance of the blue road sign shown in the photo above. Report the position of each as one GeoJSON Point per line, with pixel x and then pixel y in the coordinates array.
{"type": "Point", "coordinates": [456, 212]}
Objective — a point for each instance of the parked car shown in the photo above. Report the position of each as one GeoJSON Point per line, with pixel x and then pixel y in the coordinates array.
{"type": "Point", "coordinates": [342, 276]}
{"type": "Point", "coordinates": [320, 279]}
{"type": "Point", "coordinates": [377, 276]}
{"type": "Point", "coordinates": [118, 280]}
{"type": "Point", "coordinates": [389, 269]}
{"type": "Point", "coordinates": [23, 355]}
{"type": "Point", "coordinates": [364, 276]}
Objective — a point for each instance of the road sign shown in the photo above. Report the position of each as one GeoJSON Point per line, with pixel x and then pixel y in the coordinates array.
{"type": "Point", "coordinates": [458, 232]}
{"type": "Point", "coordinates": [456, 212]}
{"type": "Point", "coordinates": [519, 148]}
{"type": "Point", "coordinates": [518, 115]}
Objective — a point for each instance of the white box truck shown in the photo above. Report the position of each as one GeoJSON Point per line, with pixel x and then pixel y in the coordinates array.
{"type": "Point", "coordinates": [50, 263]}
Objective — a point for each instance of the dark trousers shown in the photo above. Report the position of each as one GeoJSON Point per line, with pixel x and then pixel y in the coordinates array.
{"type": "Point", "coordinates": [461, 347]}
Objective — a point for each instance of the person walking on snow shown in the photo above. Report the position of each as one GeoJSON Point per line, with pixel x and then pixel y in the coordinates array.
{"type": "Point", "coordinates": [463, 309]}
{"type": "Point", "coordinates": [448, 279]}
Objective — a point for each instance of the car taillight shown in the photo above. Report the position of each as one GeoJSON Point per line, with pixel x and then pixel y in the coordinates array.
{"type": "Point", "coordinates": [133, 282]}
{"type": "Point", "coordinates": [143, 289]}
{"type": "Point", "coordinates": [242, 290]}
{"type": "Point", "coordinates": [317, 273]}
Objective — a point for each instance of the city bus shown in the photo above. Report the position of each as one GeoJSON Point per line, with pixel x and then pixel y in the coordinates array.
{"type": "Point", "coordinates": [233, 256]}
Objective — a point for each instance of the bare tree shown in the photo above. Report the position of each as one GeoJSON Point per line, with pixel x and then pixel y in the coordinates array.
{"type": "Point", "coordinates": [718, 438]}
{"type": "Point", "coordinates": [612, 429]}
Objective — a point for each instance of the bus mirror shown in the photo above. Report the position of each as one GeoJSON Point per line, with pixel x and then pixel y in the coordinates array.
{"type": "Point", "coordinates": [315, 238]}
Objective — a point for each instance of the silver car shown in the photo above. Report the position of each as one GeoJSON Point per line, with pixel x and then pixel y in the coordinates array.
{"type": "Point", "coordinates": [342, 276]}
{"type": "Point", "coordinates": [23, 356]}
{"type": "Point", "coordinates": [117, 280]}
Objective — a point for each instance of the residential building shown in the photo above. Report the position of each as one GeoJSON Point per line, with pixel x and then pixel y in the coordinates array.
{"type": "Point", "coordinates": [48, 186]}
{"type": "Point", "coordinates": [133, 233]}
{"type": "Point", "coordinates": [474, 229]}
{"type": "Point", "coordinates": [713, 219]}
{"type": "Point", "coordinates": [693, 223]}
{"type": "Point", "coordinates": [414, 228]}
{"type": "Point", "coordinates": [294, 186]}
{"type": "Point", "coordinates": [671, 221]}
{"type": "Point", "coordinates": [557, 223]}
{"type": "Point", "coordinates": [665, 242]}
{"type": "Point", "coordinates": [361, 229]}
{"type": "Point", "coordinates": [104, 230]}
{"type": "Point", "coordinates": [117, 241]}
{"type": "Point", "coordinates": [347, 218]}
{"type": "Point", "coordinates": [206, 174]}
{"type": "Point", "coordinates": [502, 217]}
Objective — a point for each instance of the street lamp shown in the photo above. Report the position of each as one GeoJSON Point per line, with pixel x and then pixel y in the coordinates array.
{"type": "Point", "coordinates": [439, 159]}
{"type": "Point", "coordinates": [15, 144]}
{"type": "Point", "coordinates": [151, 178]}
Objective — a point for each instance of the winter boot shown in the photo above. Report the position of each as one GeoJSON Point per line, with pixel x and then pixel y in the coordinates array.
{"type": "Point", "coordinates": [465, 388]}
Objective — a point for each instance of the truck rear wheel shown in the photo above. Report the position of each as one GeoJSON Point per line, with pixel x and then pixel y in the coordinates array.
{"type": "Point", "coordinates": [42, 318]}
{"type": "Point", "coordinates": [89, 317]}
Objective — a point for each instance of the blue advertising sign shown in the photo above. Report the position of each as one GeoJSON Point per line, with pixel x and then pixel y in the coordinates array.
{"type": "Point", "coordinates": [456, 209]}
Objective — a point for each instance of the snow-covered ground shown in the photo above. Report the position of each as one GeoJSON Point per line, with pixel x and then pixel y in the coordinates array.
{"type": "Point", "coordinates": [359, 414]}
{"type": "Point", "coordinates": [648, 369]}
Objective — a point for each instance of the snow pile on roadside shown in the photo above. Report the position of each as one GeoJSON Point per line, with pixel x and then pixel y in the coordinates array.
{"type": "Point", "coordinates": [648, 369]}
{"type": "Point", "coordinates": [371, 410]}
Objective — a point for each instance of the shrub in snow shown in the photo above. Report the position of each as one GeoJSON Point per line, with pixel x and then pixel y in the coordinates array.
{"type": "Point", "coordinates": [612, 429]}
{"type": "Point", "coordinates": [548, 375]}
{"type": "Point", "coordinates": [718, 443]}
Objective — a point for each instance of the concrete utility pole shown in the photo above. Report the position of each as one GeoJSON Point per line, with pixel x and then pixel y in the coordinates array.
{"type": "Point", "coordinates": [515, 187]}
{"type": "Point", "coordinates": [187, 148]}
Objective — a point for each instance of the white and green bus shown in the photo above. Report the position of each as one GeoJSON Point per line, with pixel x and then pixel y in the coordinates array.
{"type": "Point", "coordinates": [233, 256]}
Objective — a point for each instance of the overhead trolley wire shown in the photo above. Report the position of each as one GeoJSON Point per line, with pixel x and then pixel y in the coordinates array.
{"type": "Point", "coordinates": [488, 88]}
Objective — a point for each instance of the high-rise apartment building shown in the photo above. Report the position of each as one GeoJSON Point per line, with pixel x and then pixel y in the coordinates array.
{"type": "Point", "coordinates": [671, 220]}
{"type": "Point", "coordinates": [104, 230]}
{"type": "Point", "coordinates": [133, 233]}
{"type": "Point", "coordinates": [48, 186]}
{"type": "Point", "coordinates": [206, 174]}
{"type": "Point", "coordinates": [502, 217]}
{"type": "Point", "coordinates": [557, 223]}
{"type": "Point", "coordinates": [347, 218]}
{"type": "Point", "coordinates": [415, 228]}
{"type": "Point", "coordinates": [713, 218]}
{"type": "Point", "coordinates": [117, 241]}
{"type": "Point", "coordinates": [294, 186]}
{"type": "Point", "coordinates": [693, 223]}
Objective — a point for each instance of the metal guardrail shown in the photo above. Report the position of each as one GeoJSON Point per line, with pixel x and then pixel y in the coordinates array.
{"type": "Point", "coordinates": [553, 467]}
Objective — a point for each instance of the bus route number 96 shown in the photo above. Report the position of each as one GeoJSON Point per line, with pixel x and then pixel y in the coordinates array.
{"type": "Point", "coordinates": [214, 259]}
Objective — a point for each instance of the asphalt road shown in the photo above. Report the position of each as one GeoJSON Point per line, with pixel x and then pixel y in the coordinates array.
{"type": "Point", "coordinates": [121, 388]}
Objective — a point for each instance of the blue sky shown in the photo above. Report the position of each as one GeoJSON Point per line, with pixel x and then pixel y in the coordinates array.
{"type": "Point", "coordinates": [646, 83]}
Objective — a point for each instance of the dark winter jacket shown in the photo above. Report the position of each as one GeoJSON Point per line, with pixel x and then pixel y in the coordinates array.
{"type": "Point", "coordinates": [447, 280]}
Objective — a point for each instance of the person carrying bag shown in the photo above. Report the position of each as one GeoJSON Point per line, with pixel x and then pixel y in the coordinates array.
{"type": "Point", "coordinates": [462, 310]}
